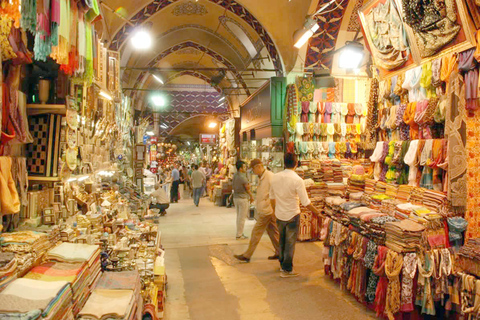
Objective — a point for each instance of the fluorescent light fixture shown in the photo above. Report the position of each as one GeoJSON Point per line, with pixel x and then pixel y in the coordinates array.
{"type": "Point", "coordinates": [158, 100]}
{"type": "Point", "coordinates": [221, 104]}
{"type": "Point", "coordinates": [157, 78]}
{"type": "Point", "coordinates": [105, 95]}
{"type": "Point", "coordinates": [351, 56]}
{"type": "Point", "coordinates": [323, 8]}
{"type": "Point", "coordinates": [188, 142]}
{"type": "Point", "coordinates": [163, 126]}
{"type": "Point", "coordinates": [221, 99]}
{"type": "Point", "coordinates": [150, 133]}
{"type": "Point", "coordinates": [72, 179]}
{"type": "Point", "coordinates": [83, 178]}
{"type": "Point", "coordinates": [212, 124]}
{"type": "Point", "coordinates": [141, 40]}
{"type": "Point", "coordinates": [301, 36]}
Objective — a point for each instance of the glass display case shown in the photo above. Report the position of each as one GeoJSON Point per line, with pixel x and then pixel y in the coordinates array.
{"type": "Point", "coordinates": [269, 150]}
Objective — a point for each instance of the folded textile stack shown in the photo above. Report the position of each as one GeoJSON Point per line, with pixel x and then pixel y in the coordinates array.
{"type": "Point", "coordinates": [337, 171]}
{"type": "Point", "coordinates": [36, 299]}
{"type": "Point", "coordinates": [380, 187]}
{"type": "Point", "coordinates": [403, 236]}
{"type": "Point", "coordinates": [391, 190]}
{"type": "Point", "coordinates": [434, 199]}
{"type": "Point", "coordinates": [468, 258]}
{"type": "Point", "coordinates": [370, 186]}
{"type": "Point", "coordinates": [87, 260]}
{"type": "Point", "coordinates": [355, 185]}
{"type": "Point", "coordinates": [25, 242]}
{"type": "Point", "coordinates": [336, 189]}
{"type": "Point", "coordinates": [377, 199]}
{"type": "Point", "coordinates": [110, 304]}
{"type": "Point", "coordinates": [327, 173]}
{"type": "Point", "coordinates": [416, 197]}
{"type": "Point", "coordinates": [389, 206]}
{"type": "Point", "coordinates": [8, 268]}
{"type": "Point", "coordinates": [404, 192]}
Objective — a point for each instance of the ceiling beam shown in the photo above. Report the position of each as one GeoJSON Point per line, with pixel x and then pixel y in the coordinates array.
{"type": "Point", "coordinates": [197, 69]}
{"type": "Point", "coordinates": [142, 89]}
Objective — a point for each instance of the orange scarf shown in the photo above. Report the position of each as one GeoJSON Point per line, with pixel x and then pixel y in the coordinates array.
{"type": "Point", "coordinates": [409, 119]}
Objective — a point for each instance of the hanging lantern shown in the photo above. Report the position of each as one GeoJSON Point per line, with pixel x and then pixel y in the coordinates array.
{"type": "Point", "coordinates": [174, 147]}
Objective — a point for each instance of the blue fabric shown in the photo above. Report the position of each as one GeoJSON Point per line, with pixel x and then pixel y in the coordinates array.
{"type": "Point", "coordinates": [197, 193]}
{"type": "Point", "coordinates": [288, 237]}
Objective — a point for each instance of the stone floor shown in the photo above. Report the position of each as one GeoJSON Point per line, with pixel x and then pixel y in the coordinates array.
{"type": "Point", "coordinates": [205, 282]}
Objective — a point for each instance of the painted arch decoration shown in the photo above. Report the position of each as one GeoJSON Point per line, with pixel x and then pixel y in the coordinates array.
{"type": "Point", "coordinates": [191, 44]}
{"type": "Point", "coordinates": [324, 40]}
{"type": "Point", "coordinates": [230, 5]}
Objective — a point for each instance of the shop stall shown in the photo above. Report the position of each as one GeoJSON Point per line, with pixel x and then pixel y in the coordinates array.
{"type": "Point", "coordinates": [77, 240]}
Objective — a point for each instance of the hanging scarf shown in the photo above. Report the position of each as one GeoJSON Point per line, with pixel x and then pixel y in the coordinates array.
{"type": "Point", "coordinates": [408, 274]}
{"type": "Point", "coordinates": [291, 103]}
{"type": "Point", "coordinates": [321, 111]}
{"type": "Point", "coordinates": [468, 66]}
{"type": "Point", "coordinates": [372, 116]}
{"type": "Point", "coordinates": [379, 270]}
{"type": "Point", "coordinates": [393, 267]}
{"type": "Point", "coordinates": [426, 265]}
{"type": "Point", "coordinates": [409, 119]}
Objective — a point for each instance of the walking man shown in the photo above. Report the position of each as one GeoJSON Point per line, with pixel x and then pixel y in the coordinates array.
{"type": "Point", "coordinates": [265, 216]}
{"type": "Point", "coordinates": [175, 184]}
{"type": "Point", "coordinates": [241, 197]}
{"type": "Point", "coordinates": [286, 190]}
{"type": "Point", "coordinates": [197, 184]}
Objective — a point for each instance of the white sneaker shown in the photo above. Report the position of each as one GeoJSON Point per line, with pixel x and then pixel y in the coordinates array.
{"type": "Point", "coordinates": [288, 274]}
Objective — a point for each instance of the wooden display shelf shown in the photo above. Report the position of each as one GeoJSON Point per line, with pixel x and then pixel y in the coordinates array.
{"type": "Point", "coordinates": [36, 109]}
{"type": "Point", "coordinates": [44, 179]}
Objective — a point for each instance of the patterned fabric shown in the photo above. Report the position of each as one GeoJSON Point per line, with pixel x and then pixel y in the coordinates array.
{"type": "Point", "coordinates": [455, 131]}
{"type": "Point", "coordinates": [325, 38]}
{"type": "Point", "coordinates": [408, 272]}
{"type": "Point", "coordinates": [473, 170]}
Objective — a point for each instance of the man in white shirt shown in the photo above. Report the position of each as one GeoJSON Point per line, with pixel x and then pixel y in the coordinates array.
{"type": "Point", "coordinates": [287, 189]}
{"type": "Point", "coordinates": [161, 198]}
{"type": "Point", "coordinates": [265, 216]}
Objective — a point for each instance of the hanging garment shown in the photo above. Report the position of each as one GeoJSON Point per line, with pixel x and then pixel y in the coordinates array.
{"type": "Point", "coordinates": [9, 201]}
{"type": "Point", "coordinates": [426, 265]}
{"type": "Point", "coordinates": [379, 270]}
{"type": "Point", "coordinates": [468, 66]}
{"type": "Point", "coordinates": [372, 116]}
{"type": "Point", "coordinates": [434, 26]}
{"type": "Point", "coordinates": [408, 274]}
{"type": "Point", "coordinates": [455, 132]}
{"type": "Point", "coordinates": [393, 267]}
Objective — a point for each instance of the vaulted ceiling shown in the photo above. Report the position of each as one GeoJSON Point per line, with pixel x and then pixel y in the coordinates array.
{"type": "Point", "coordinates": [193, 40]}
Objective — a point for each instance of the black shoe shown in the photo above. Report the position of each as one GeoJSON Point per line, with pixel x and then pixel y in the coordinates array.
{"type": "Point", "coordinates": [274, 257]}
{"type": "Point", "coordinates": [241, 258]}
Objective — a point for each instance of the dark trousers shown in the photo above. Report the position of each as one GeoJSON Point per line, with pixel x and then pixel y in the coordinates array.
{"type": "Point", "coordinates": [197, 192]}
{"type": "Point", "coordinates": [160, 206]}
{"type": "Point", "coordinates": [174, 191]}
{"type": "Point", "coordinates": [288, 237]}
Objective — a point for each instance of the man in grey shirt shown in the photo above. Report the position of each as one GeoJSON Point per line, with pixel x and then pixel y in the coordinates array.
{"type": "Point", "coordinates": [241, 197]}
{"type": "Point", "coordinates": [198, 178]}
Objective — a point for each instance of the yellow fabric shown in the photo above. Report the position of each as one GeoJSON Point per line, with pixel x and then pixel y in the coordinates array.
{"type": "Point", "coordinates": [9, 200]}
{"type": "Point", "coordinates": [393, 267]}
